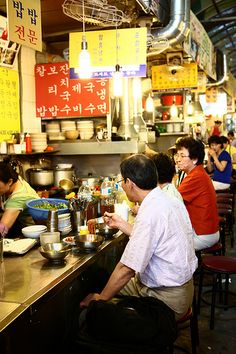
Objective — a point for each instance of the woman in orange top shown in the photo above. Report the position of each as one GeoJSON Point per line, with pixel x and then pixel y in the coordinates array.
{"type": "Point", "coordinates": [198, 192]}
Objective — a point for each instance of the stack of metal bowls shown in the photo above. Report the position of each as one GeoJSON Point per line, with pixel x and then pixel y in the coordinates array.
{"type": "Point", "coordinates": [52, 222]}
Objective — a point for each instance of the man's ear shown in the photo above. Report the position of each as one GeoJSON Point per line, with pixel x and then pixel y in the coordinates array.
{"type": "Point", "coordinates": [130, 183]}
{"type": "Point", "coordinates": [10, 182]}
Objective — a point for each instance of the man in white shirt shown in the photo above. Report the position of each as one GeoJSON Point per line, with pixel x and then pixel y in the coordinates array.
{"type": "Point", "coordinates": [159, 259]}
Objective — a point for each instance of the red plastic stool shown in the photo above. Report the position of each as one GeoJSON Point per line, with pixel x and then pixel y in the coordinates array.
{"type": "Point", "coordinates": [216, 266]}
{"type": "Point", "coordinates": [188, 320]}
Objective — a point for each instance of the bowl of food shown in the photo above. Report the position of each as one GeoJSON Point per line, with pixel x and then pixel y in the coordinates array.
{"type": "Point", "coordinates": [33, 231]}
{"type": "Point", "coordinates": [104, 230]}
{"type": "Point", "coordinates": [89, 242]}
{"type": "Point", "coordinates": [55, 252]}
{"type": "Point", "coordinates": [39, 208]}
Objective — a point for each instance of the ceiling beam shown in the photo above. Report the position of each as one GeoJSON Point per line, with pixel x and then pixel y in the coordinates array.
{"type": "Point", "coordinates": [219, 19]}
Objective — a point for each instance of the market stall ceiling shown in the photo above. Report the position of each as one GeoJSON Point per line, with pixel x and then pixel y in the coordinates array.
{"type": "Point", "coordinates": [217, 16]}
{"type": "Point", "coordinates": [219, 19]}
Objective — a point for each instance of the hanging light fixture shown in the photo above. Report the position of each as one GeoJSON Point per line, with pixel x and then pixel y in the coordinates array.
{"type": "Point", "coordinates": [117, 76]}
{"type": "Point", "coordinates": [149, 104]}
{"type": "Point", "coordinates": [85, 71]}
{"type": "Point", "coordinates": [173, 111]}
{"type": "Point", "coordinates": [190, 107]}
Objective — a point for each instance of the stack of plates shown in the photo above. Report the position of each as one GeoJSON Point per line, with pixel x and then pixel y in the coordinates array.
{"type": "Point", "coordinates": [53, 128]}
{"type": "Point", "coordinates": [53, 131]}
{"type": "Point", "coordinates": [86, 129]}
{"type": "Point", "coordinates": [67, 125]}
{"type": "Point", "coordinates": [64, 224]}
{"type": "Point", "coordinates": [39, 141]}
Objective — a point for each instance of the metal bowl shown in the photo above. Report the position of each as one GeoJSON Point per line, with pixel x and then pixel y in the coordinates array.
{"type": "Point", "coordinates": [89, 242]}
{"type": "Point", "coordinates": [104, 230]}
{"type": "Point", "coordinates": [55, 252]}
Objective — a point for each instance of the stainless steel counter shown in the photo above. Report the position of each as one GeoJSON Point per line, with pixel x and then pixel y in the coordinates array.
{"type": "Point", "coordinates": [76, 147]}
{"type": "Point", "coordinates": [25, 279]}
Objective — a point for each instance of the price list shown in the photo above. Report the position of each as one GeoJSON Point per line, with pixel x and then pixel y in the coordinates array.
{"type": "Point", "coordinates": [165, 77]}
{"type": "Point", "coordinates": [9, 103]}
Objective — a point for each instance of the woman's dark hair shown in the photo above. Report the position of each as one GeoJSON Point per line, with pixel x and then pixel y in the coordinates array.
{"type": "Point", "coordinates": [195, 148]}
{"type": "Point", "coordinates": [165, 167]}
{"type": "Point", "coordinates": [215, 139]}
{"type": "Point", "coordinates": [141, 170]}
{"type": "Point", "coordinates": [7, 171]}
{"type": "Point", "coordinates": [231, 133]}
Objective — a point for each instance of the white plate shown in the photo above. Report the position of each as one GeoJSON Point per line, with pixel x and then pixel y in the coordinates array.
{"type": "Point", "coordinates": [66, 231]}
{"type": "Point", "coordinates": [70, 240]}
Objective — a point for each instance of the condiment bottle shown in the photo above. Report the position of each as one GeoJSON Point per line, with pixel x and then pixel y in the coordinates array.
{"type": "Point", "coordinates": [22, 142]}
{"type": "Point", "coordinates": [28, 143]}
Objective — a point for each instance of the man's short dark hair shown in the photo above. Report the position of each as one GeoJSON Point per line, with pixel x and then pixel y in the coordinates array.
{"type": "Point", "coordinates": [141, 170]}
{"type": "Point", "coordinates": [165, 167]}
{"type": "Point", "coordinates": [224, 139]}
{"type": "Point", "coordinates": [195, 148]}
{"type": "Point", "coordinates": [215, 139]}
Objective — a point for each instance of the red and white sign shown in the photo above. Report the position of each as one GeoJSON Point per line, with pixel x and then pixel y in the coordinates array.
{"type": "Point", "coordinates": [58, 96]}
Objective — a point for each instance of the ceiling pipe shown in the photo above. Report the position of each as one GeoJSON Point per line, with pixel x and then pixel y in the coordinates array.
{"type": "Point", "coordinates": [224, 76]}
{"type": "Point", "coordinates": [178, 27]}
{"type": "Point", "coordinates": [145, 5]}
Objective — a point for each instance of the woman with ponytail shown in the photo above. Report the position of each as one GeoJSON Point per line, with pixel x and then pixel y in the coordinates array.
{"type": "Point", "coordinates": [14, 192]}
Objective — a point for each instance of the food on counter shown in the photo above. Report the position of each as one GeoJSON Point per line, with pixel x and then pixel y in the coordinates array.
{"type": "Point", "coordinates": [47, 205]}
{"type": "Point", "coordinates": [49, 148]}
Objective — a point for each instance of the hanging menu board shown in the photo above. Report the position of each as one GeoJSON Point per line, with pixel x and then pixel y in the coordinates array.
{"type": "Point", "coordinates": [9, 103]}
{"type": "Point", "coordinates": [58, 96]}
{"type": "Point", "coordinates": [164, 79]}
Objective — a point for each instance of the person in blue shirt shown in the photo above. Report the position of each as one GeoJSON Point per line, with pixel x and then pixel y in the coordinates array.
{"type": "Point", "coordinates": [219, 163]}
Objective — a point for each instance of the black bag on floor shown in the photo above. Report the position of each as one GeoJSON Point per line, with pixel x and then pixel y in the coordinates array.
{"type": "Point", "coordinates": [132, 320]}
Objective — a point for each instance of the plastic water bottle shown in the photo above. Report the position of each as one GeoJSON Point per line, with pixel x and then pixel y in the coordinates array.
{"type": "Point", "coordinates": [107, 198]}
{"type": "Point", "coordinates": [84, 191]}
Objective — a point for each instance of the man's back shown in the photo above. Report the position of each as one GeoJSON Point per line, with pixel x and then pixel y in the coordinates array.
{"type": "Point", "coordinates": [161, 244]}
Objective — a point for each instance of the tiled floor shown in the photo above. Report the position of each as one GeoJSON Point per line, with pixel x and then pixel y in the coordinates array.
{"type": "Point", "coordinates": [222, 339]}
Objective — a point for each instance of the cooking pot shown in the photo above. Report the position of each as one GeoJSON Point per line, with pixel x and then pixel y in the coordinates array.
{"type": "Point", "coordinates": [168, 100]}
{"type": "Point", "coordinates": [63, 173]}
{"type": "Point", "coordinates": [40, 176]}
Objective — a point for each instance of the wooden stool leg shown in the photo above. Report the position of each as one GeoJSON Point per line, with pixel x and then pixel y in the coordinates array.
{"type": "Point", "coordinates": [219, 278]}
{"type": "Point", "coordinates": [200, 290]}
{"type": "Point", "coordinates": [226, 290]}
{"type": "Point", "coordinates": [213, 301]}
{"type": "Point", "coordinates": [222, 237]}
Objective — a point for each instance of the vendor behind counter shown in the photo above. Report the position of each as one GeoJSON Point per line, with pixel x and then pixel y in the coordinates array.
{"type": "Point", "coordinates": [14, 192]}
